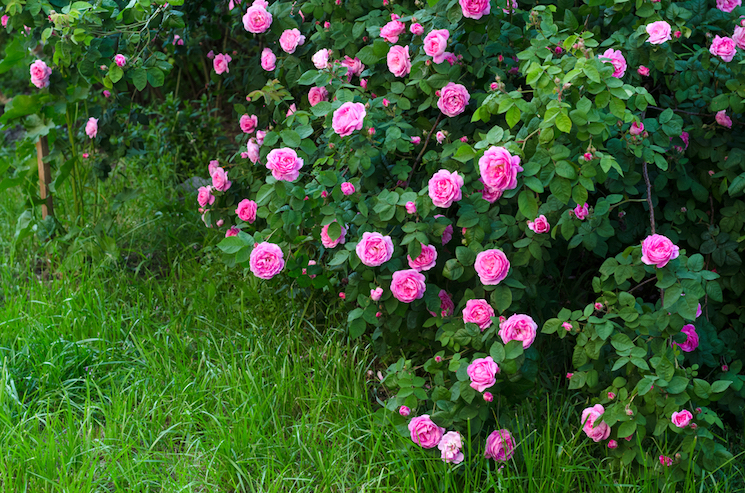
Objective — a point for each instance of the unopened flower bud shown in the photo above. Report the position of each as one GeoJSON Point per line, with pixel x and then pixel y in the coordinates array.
{"type": "Point", "coordinates": [488, 397]}
{"type": "Point", "coordinates": [438, 359]}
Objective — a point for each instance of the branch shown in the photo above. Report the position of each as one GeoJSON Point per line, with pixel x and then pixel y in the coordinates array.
{"type": "Point", "coordinates": [649, 197]}
{"type": "Point", "coordinates": [642, 283]}
{"type": "Point", "coordinates": [424, 148]}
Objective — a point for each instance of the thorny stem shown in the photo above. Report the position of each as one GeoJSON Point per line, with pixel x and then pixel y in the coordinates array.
{"type": "Point", "coordinates": [424, 148]}
{"type": "Point", "coordinates": [649, 197]}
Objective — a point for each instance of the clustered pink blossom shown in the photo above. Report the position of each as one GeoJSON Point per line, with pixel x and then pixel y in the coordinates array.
{"type": "Point", "coordinates": [681, 419]}
{"type": "Point", "coordinates": [392, 30]}
{"type": "Point", "coordinates": [435, 44]}
{"type": "Point", "coordinates": [723, 47]}
{"type": "Point", "coordinates": [722, 119]}
{"type": "Point", "coordinates": [91, 127]}
{"type": "Point", "coordinates": [482, 372]}
{"type": "Point", "coordinates": [399, 61]}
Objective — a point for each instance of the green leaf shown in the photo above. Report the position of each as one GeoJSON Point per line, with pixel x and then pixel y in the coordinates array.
{"type": "Point", "coordinates": [563, 123]}
{"type": "Point", "coordinates": [139, 78]}
{"type": "Point", "coordinates": [21, 105]}
{"type": "Point", "coordinates": [720, 386]}
{"type": "Point", "coordinates": [340, 257]}
{"type": "Point", "coordinates": [677, 385]}
{"type": "Point", "coordinates": [291, 138]}
{"type": "Point", "coordinates": [357, 328]}
{"type": "Point", "coordinates": [155, 76]}
{"type": "Point", "coordinates": [453, 269]}
{"type": "Point", "coordinates": [115, 73]}
{"type": "Point", "coordinates": [512, 116]}
{"type": "Point", "coordinates": [528, 205]}
{"type": "Point", "coordinates": [513, 349]}
{"type": "Point", "coordinates": [232, 244]}
{"type": "Point", "coordinates": [665, 369]}
{"type": "Point", "coordinates": [309, 77]}
{"type": "Point", "coordinates": [501, 297]}
{"type": "Point", "coordinates": [465, 255]}
{"type": "Point", "coordinates": [497, 352]}
{"type": "Point", "coordinates": [626, 429]}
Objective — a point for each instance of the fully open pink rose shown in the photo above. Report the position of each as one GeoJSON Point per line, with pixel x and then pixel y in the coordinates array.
{"type": "Point", "coordinates": [321, 59]}
{"type": "Point", "coordinates": [40, 73]}
{"type": "Point", "coordinates": [91, 127]}
{"type": "Point", "coordinates": [722, 119]}
{"type": "Point", "coordinates": [284, 163]}
{"type": "Point", "coordinates": [616, 58]}
{"type": "Point", "coordinates": [540, 225]}
{"type": "Point", "coordinates": [475, 9]}
{"type": "Point", "coordinates": [232, 231]}
{"type": "Point", "coordinates": [392, 30]}
{"type": "Point", "coordinates": [581, 211]}
{"type": "Point", "coordinates": [659, 32]}
{"type": "Point", "coordinates": [246, 210]}
{"type": "Point", "coordinates": [500, 446]}
{"type": "Point", "coordinates": [205, 197]}
{"type": "Point", "coordinates": [399, 61]}
{"type": "Point", "coordinates": [492, 266]}
{"type": "Point", "coordinates": [691, 342]}
{"type": "Point", "coordinates": [327, 241]}
{"type": "Point", "coordinates": [347, 188]}
{"type": "Point", "coordinates": [348, 118]}
{"type": "Point", "coordinates": [257, 20]}
{"type": "Point", "coordinates": [408, 285]}
{"type": "Point", "coordinates": [453, 99]}
{"type": "Point", "coordinates": [682, 418]}
{"type": "Point", "coordinates": [248, 123]}
{"type": "Point", "coordinates": [290, 40]}
{"type": "Point", "coordinates": [478, 312]}
{"type": "Point", "coordinates": [220, 63]}
{"type": "Point", "coordinates": [266, 260]}
{"type": "Point", "coordinates": [658, 250]}
{"type": "Point", "coordinates": [450, 448]}
{"type": "Point", "coordinates": [499, 168]}
{"type": "Point", "coordinates": [723, 47]}
{"type": "Point", "coordinates": [518, 328]}
{"type": "Point", "coordinates": [374, 249]}
{"type": "Point", "coordinates": [416, 29]}
{"type": "Point", "coordinates": [598, 431]}
{"type": "Point", "coordinates": [728, 5]}
{"type": "Point", "coordinates": [739, 37]}
{"type": "Point", "coordinates": [268, 60]}
{"type": "Point", "coordinates": [220, 180]}
{"type": "Point", "coordinates": [426, 260]}
{"type": "Point", "coordinates": [444, 188]}
{"type": "Point", "coordinates": [482, 372]}
{"type": "Point", "coordinates": [120, 60]}
{"type": "Point", "coordinates": [317, 94]}
{"type": "Point", "coordinates": [435, 44]}
{"type": "Point", "coordinates": [424, 432]}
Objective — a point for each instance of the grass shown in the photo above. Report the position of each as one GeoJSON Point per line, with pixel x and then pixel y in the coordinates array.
{"type": "Point", "coordinates": [144, 365]}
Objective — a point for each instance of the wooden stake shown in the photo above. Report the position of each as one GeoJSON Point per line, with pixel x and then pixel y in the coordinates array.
{"type": "Point", "coordinates": [45, 177]}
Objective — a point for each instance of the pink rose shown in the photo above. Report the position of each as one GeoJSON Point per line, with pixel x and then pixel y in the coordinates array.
{"type": "Point", "coordinates": [444, 188]}
{"type": "Point", "coordinates": [540, 225]}
{"type": "Point", "coordinates": [232, 231]}
{"type": "Point", "coordinates": [363, 83]}
{"type": "Point", "coordinates": [658, 250]}
{"type": "Point", "coordinates": [376, 293]}
{"type": "Point", "coordinates": [106, 93]}
{"type": "Point", "coordinates": [404, 411]}
{"type": "Point", "coordinates": [636, 128]}
{"type": "Point", "coordinates": [691, 342]}
{"type": "Point", "coordinates": [268, 60]}
{"type": "Point", "coordinates": [91, 127]}
{"type": "Point", "coordinates": [248, 123]}
{"type": "Point", "coordinates": [410, 207]}
{"type": "Point", "coordinates": [474, 9]}
{"type": "Point", "coordinates": [391, 31]}
{"type": "Point", "coordinates": [205, 197]}
{"type": "Point", "coordinates": [291, 110]}
{"type": "Point", "coordinates": [246, 210]}
{"type": "Point", "coordinates": [612, 444]}
{"type": "Point", "coordinates": [453, 99]}
{"type": "Point", "coordinates": [492, 266]}
{"type": "Point", "coordinates": [682, 418]}
{"type": "Point", "coordinates": [260, 134]}
{"type": "Point", "coordinates": [642, 70]}
{"type": "Point", "coordinates": [446, 304]}
{"type": "Point", "coordinates": [616, 58]}
{"type": "Point", "coordinates": [426, 260]}
{"type": "Point", "coordinates": [499, 168]}
{"type": "Point", "coordinates": [478, 312]}
{"type": "Point", "coordinates": [220, 63]}
{"type": "Point", "coordinates": [348, 118]}
{"type": "Point", "coordinates": [347, 188]}
{"type": "Point", "coordinates": [482, 373]}
{"type": "Point", "coordinates": [659, 32]}
{"type": "Point", "coordinates": [450, 448]}
{"type": "Point", "coordinates": [290, 40]}
{"type": "Point", "coordinates": [408, 285]}
{"type": "Point", "coordinates": [739, 37]}
{"type": "Point", "coordinates": [120, 60]}
{"type": "Point", "coordinates": [518, 328]}
{"type": "Point", "coordinates": [399, 61]}
{"type": "Point", "coordinates": [440, 136]}
{"type": "Point", "coordinates": [40, 73]}
{"type": "Point", "coordinates": [424, 432]}
{"type": "Point", "coordinates": [513, 8]}
{"type": "Point", "coordinates": [416, 29]}
{"type": "Point", "coordinates": [213, 165]}
{"type": "Point", "coordinates": [567, 326]}
{"type": "Point", "coordinates": [447, 234]}
{"type": "Point", "coordinates": [728, 5]}
{"type": "Point", "coordinates": [317, 94]}
{"type": "Point", "coordinates": [327, 241]}
{"type": "Point", "coordinates": [435, 44]}
{"type": "Point", "coordinates": [416, 140]}
{"type": "Point", "coordinates": [354, 66]}
{"type": "Point", "coordinates": [581, 211]}
{"type": "Point", "coordinates": [488, 397]}
{"type": "Point", "coordinates": [500, 446]}
{"type": "Point", "coordinates": [266, 260]}
{"type": "Point", "coordinates": [252, 149]}
{"type": "Point", "coordinates": [490, 194]}
{"type": "Point", "coordinates": [374, 249]}
{"type": "Point", "coordinates": [321, 59]}
{"type": "Point", "coordinates": [723, 119]}
{"type": "Point", "coordinates": [4, 20]}
{"type": "Point", "coordinates": [257, 20]}
{"type": "Point", "coordinates": [284, 163]}
{"type": "Point", "coordinates": [596, 431]}
{"type": "Point", "coordinates": [723, 47]}
{"type": "Point", "coordinates": [220, 180]}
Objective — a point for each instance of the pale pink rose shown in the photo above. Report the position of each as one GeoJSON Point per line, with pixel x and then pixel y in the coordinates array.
{"type": "Point", "coordinates": [40, 73]}
{"type": "Point", "coordinates": [220, 180]}
{"type": "Point", "coordinates": [739, 37]}
{"type": "Point", "coordinates": [292, 109]}
{"type": "Point", "coordinates": [246, 210]}
{"type": "Point", "coordinates": [220, 63]}
{"type": "Point", "coordinates": [691, 342]}
{"type": "Point", "coordinates": [540, 225]}
{"type": "Point", "coordinates": [475, 9]}
{"type": "Point", "coordinates": [723, 47]}
{"type": "Point", "coordinates": [416, 140]}
{"type": "Point", "coordinates": [453, 99]}
{"type": "Point", "coordinates": [482, 372]}
{"type": "Point", "coordinates": [612, 444]}
{"type": "Point", "coordinates": [512, 8]}
{"type": "Point", "coordinates": [268, 60]}
{"type": "Point", "coordinates": [440, 136]}
{"type": "Point", "coordinates": [500, 446]}
{"type": "Point", "coordinates": [331, 243]}
{"type": "Point", "coordinates": [450, 448]}
{"type": "Point", "coordinates": [642, 70]}
{"type": "Point", "coordinates": [376, 293]}
{"type": "Point", "coordinates": [518, 328]}
{"type": "Point", "coordinates": [317, 94]}
{"type": "Point", "coordinates": [347, 188]}
{"type": "Point", "coordinates": [404, 411]}
{"type": "Point", "coordinates": [447, 234]}
{"type": "Point", "coordinates": [385, 102]}
{"type": "Point", "coordinates": [232, 231]}
{"type": "Point", "coordinates": [407, 285]}
{"type": "Point", "coordinates": [91, 127]}
{"type": "Point", "coordinates": [416, 29]}
{"type": "Point", "coordinates": [348, 118]}
{"type": "Point", "coordinates": [321, 59]}
{"type": "Point", "coordinates": [435, 44]}
{"type": "Point", "coordinates": [363, 83]}
{"type": "Point", "coordinates": [257, 20]}
{"type": "Point", "coordinates": [723, 119]}
{"type": "Point", "coordinates": [252, 149]}
{"type": "Point", "coordinates": [682, 418]}
{"type": "Point", "coordinates": [211, 54]}
{"type": "Point", "coordinates": [106, 93]}
{"type": "Point", "coordinates": [611, 395]}
{"type": "Point", "coordinates": [284, 163]}
{"type": "Point", "coordinates": [478, 312]}
{"type": "Point", "coordinates": [290, 40]}
{"type": "Point", "coordinates": [212, 166]}
{"type": "Point", "coordinates": [698, 310]}
{"type": "Point", "coordinates": [410, 207]}
{"type": "Point", "coordinates": [499, 168]}
{"type": "Point", "coordinates": [424, 432]}
{"type": "Point", "coordinates": [120, 60]}
{"type": "Point", "coordinates": [598, 306]}
{"type": "Point", "coordinates": [444, 188]}
{"type": "Point", "coordinates": [566, 326]}
{"type": "Point", "coordinates": [374, 249]}
{"type": "Point", "coordinates": [616, 58]}
{"type": "Point", "coordinates": [658, 250]}
{"type": "Point", "coordinates": [636, 128]}
{"type": "Point", "coordinates": [446, 304]}
{"type": "Point", "coordinates": [581, 211]}
{"type": "Point", "coordinates": [248, 123]}
{"type": "Point", "coordinates": [728, 5]}
{"type": "Point", "coordinates": [659, 32]}
{"type": "Point", "coordinates": [354, 66]}
{"type": "Point", "coordinates": [391, 31]}
{"type": "Point", "coordinates": [205, 197]}
{"type": "Point", "coordinates": [490, 194]}
{"type": "Point", "coordinates": [4, 20]}
{"type": "Point", "coordinates": [260, 134]}
{"type": "Point", "coordinates": [597, 431]}
{"type": "Point", "coordinates": [492, 266]}
{"type": "Point", "coordinates": [266, 260]}
{"type": "Point", "coordinates": [426, 260]}
{"type": "Point", "coordinates": [399, 61]}
{"type": "Point", "coordinates": [259, 3]}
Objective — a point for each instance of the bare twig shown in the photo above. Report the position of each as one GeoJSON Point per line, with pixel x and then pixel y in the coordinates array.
{"type": "Point", "coordinates": [424, 148]}
{"type": "Point", "coordinates": [649, 197]}
{"type": "Point", "coordinates": [642, 283]}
